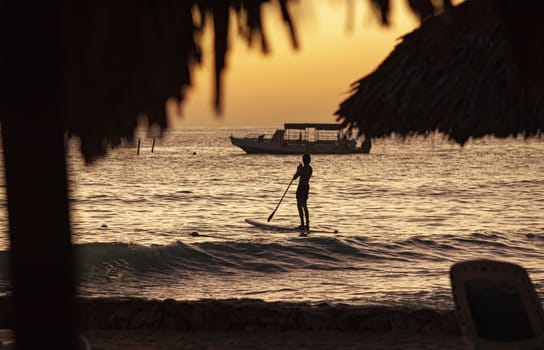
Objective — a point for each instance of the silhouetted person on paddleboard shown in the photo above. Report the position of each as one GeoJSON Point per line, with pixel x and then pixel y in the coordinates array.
{"type": "Point", "coordinates": [304, 172]}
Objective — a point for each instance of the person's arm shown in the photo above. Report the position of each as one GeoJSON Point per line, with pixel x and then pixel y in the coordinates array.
{"type": "Point", "coordinates": [297, 174]}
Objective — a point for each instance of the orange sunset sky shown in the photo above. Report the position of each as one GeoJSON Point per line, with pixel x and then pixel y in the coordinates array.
{"type": "Point", "coordinates": [288, 85]}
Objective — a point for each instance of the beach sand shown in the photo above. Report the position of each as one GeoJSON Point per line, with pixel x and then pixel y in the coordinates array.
{"type": "Point", "coordinates": [262, 339]}
{"type": "Point", "coordinates": [100, 339]}
{"type": "Point", "coordinates": [255, 324]}
{"type": "Point", "coordinates": [133, 323]}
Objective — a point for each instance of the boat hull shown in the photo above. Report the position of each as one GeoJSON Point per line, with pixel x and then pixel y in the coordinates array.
{"type": "Point", "coordinates": [255, 146]}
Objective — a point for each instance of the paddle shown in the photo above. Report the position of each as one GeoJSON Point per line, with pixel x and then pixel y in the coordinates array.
{"type": "Point", "coordinates": [277, 206]}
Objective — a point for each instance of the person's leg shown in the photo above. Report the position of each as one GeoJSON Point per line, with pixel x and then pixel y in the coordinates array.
{"type": "Point", "coordinates": [304, 201]}
{"type": "Point", "coordinates": [300, 214]}
{"type": "Point", "coordinates": [300, 203]}
{"type": "Point", "coordinates": [305, 207]}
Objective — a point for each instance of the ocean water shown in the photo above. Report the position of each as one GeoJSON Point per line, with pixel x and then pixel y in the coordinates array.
{"type": "Point", "coordinates": [170, 224]}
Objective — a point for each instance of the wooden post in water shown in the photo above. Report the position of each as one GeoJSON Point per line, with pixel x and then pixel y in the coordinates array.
{"type": "Point", "coordinates": [153, 145]}
{"type": "Point", "coordinates": [138, 150]}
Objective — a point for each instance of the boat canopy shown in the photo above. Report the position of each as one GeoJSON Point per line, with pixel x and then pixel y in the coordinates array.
{"type": "Point", "coordinates": [317, 126]}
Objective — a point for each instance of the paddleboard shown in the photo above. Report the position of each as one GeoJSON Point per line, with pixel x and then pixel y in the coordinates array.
{"type": "Point", "coordinates": [281, 228]}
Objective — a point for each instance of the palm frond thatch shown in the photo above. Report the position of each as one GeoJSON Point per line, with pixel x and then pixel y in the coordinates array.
{"type": "Point", "coordinates": [458, 74]}
{"type": "Point", "coordinates": [89, 69]}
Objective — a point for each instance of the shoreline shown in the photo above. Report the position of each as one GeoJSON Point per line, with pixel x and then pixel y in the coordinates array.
{"type": "Point", "coordinates": [250, 314]}
{"type": "Point", "coordinates": [133, 323]}
{"type": "Point", "coordinates": [254, 314]}
{"type": "Point", "coordinates": [270, 340]}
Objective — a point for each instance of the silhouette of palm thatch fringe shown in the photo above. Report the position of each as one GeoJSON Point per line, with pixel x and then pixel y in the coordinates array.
{"type": "Point", "coordinates": [461, 73]}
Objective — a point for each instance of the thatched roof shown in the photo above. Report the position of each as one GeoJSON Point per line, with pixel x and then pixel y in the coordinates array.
{"type": "Point", "coordinates": [86, 68]}
{"type": "Point", "coordinates": [462, 73]}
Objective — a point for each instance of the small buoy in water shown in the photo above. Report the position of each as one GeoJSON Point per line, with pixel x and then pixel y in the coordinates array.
{"type": "Point", "coordinates": [194, 234]}
{"type": "Point", "coordinates": [194, 153]}
{"type": "Point", "coordinates": [335, 231]}
{"type": "Point", "coordinates": [531, 235]}
{"type": "Point", "coordinates": [104, 225]}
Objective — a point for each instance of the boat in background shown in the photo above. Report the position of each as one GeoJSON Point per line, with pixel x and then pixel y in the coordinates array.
{"type": "Point", "coordinates": [299, 138]}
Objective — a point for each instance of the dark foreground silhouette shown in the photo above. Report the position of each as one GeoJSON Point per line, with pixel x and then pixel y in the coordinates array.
{"type": "Point", "coordinates": [88, 69]}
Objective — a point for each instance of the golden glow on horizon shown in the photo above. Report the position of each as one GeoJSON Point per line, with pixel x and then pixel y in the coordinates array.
{"type": "Point", "coordinates": [288, 85]}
